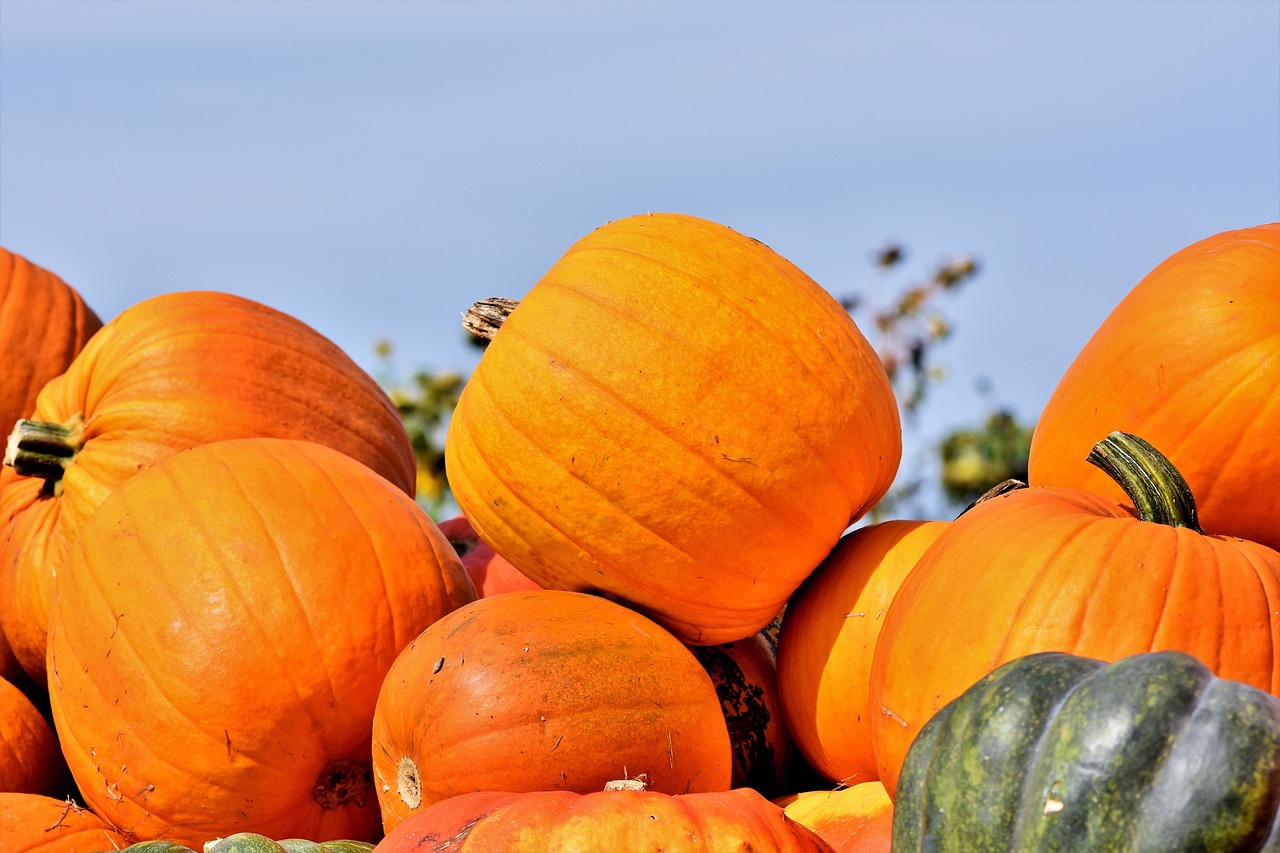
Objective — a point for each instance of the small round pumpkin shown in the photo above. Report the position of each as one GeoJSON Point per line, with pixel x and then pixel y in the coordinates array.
{"type": "Point", "coordinates": [217, 645]}
{"type": "Point", "coordinates": [856, 819]}
{"type": "Point", "coordinates": [828, 640]}
{"type": "Point", "coordinates": [490, 573]}
{"type": "Point", "coordinates": [535, 822]}
{"type": "Point", "coordinates": [1055, 569]}
{"type": "Point", "coordinates": [165, 375]}
{"type": "Point", "coordinates": [34, 823]}
{"type": "Point", "coordinates": [544, 690]}
{"type": "Point", "coordinates": [642, 423]}
{"type": "Point", "coordinates": [30, 759]}
{"type": "Point", "coordinates": [1187, 360]}
{"type": "Point", "coordinates": [1053, 751]}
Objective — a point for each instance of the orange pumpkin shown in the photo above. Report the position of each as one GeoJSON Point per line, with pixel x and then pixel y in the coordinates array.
{"type": "Point", "coordinates": [490, 573]}
{"type": "Point", "coordinates": [1190, 361]}
{"type": "Point", "coordinates": [857, 819]}
{"type": "Point", "coordinates": [544, 690]}
{"type": "Point", "coordinates": [643, 420]}
{"type": "Point", "coordinates": [1055, 569]}
{"type": "Point", "coordinates": [44, 322]}
{"type": "Point", "coordinates": [720, 822]}
{"type": "Point", "coordinates": [33, 823]}
{"type": "Point", "coordinates": [167, 374]}
{"type": "Point", "coordinates": [217, 644]}
{"type": "Point", "coordinates": [828, 638]}
{"type": "Point", "coordinates": [746, 678]}
{"type": "Point", "coordinates": [30, 759]}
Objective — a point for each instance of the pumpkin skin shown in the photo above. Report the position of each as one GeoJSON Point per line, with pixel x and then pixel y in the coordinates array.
{"type": "Point", "coordinates": [490, 573]}
{"type": "Point", "coordinates": [708, 822]}
{"type": "Point", "coordinates": [1188, 360]}
{"type": "Point", "coordinates": [252, 842]}
{"type": "Point", "coordinates": [167, 374]}
{"type": "Point", "coordinates": [1059, 752]}
{"type": "Point", "coordinates": [30, 759]}
{"type": "Point", "coordinates": [544, 690]}
{"type": "Point", "coordinates": [1055, 569]}
{"type": "Point", "coordinates": [33, 823]}
{"type": "Point", "coordinates": [228, 615]}
{"type": "Point", "coordinates": [614, 437]}
{"type": "Point", "coordinates": [857, 819]}
{"type": "Point", "coordinates": [828, 639]}
{"type": "Point", "coordinates": [745, 675]}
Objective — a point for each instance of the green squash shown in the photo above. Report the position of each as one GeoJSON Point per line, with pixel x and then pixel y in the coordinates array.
{"type": "Point", "coordinates": [251, 842]}
{"type": "Point", "coordinates": [1055, 752]}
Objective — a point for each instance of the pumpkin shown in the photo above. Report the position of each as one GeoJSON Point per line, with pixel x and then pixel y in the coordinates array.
{"type": "Point", "coordinates": [535, 822]}
{"type": "Point", "coordinates": [252, 842]}
{"type": "Point", "coordinates": [1189, 360]}
{"type": "Point", "coordinates": [167, 374]}
{"type": "Point", "coordinates": [856, 819]}
{"type": "Point", "coordinates": [827, 640]}
{"type": "Point", "coordinates": [745, 675]}
{"type": "Point", "coordinates": [489, 573]}
{"type": "Point", "coordinates": [34, 823]}
{"type": "Point", "coordinates": [643, 420]}
{"type": "Point", "coordinates": [1056, 569]}
{"type": "Point", "coordinates": [544, 690]}
{"type": "Point", "coordinates": [44, 323]}
{"type": "Point", "coordinates": [30, 758]}
{"type": "Point", "coordinates": [217, 644]}
{"type": "Point", "coordinates": [1054, 751]}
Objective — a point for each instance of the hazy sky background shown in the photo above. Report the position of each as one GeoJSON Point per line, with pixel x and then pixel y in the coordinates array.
{"type": "Point", "coordinates": [375, 167]}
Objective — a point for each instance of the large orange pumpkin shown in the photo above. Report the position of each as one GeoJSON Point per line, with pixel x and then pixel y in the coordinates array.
{"type": "Point", "coordinates": [30, 759]}
{"type": "Point", "coordinates": [1056, 569]}
{"type": "Point", "coordinates": [33, 823]}
{"type": "Point", "coordinates": [632, 820]}
{"type": "Point", "coordinates": [167, 374]}
{"type": "Point", "coordinates": [677, 416]}
{"type": "Point", "coordinates": [218, 641]}
{"type": "Point", "coordinates": [544, 690]}
{"type": "Point", "coordinates": [1189, 360]}
{"type": "Point", "coordinates": [828, 638]}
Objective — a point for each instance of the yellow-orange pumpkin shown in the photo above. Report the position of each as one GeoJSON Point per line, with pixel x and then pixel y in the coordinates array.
{"type": "Point", "coordinates": [217, 644]}
{"type": "Point", "coordinates": [544, 690]}
{"type": "Point", "coordinates": [167, 374]}
{"type": "Point", "coordinates": [30, 759]}
{"type": "Point", "coordinates": [857, 819]}
{"type": "Point", "coordinates": [679, 417]}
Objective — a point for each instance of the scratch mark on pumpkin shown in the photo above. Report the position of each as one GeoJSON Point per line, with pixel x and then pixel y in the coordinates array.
{"type": "Point", "coordinates": [557, 743]}
{"type": "Point", "coordinates": [893, 716]}
{"type": "Point", "coordinates": [671, 754]}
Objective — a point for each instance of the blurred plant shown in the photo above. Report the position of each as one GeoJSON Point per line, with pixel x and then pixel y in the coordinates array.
{"type": "Point", "coordinates": [976, 459]}
{"type": "Point", "coordinates": [425, 401]}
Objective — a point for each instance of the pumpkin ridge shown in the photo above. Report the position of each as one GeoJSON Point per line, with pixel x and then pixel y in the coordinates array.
{"type": "Point", "coordinates": [797, 518]}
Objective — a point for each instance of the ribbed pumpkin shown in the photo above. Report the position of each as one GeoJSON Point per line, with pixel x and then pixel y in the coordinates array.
{"type": "Point", "coordinates": [857, 819]}
{"type": "Point", "coordinates": [1054, 569]}
{"type": "Point", "coordinates": [645, 419]}
{"type": "Point", "coordinates": [218, 641]}
{"type": "Point", "coordinates": [1190, 361]}
{"type": "Point", "coordinates": [1061, 752]}
{"type": "Point", "coordinates": [30, 759]}
{"type": "Point", "coordinates": [544, 690]}
{"type": "Point", "coordinates": [33, 823]}
{"type": "Point", "coordinates": [167, 374]}
{"type": "Point", "coordinates": [828, 639]}
{"type": "Point", "coordinates": [490, 573]}
{"type": "Point", "coordinates": [44, 323]}
{"type": "Point", "coordinates": [536, 822]}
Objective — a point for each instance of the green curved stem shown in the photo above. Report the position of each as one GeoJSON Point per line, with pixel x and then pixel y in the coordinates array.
{"type": "Point", "coordinates": [45, 450]}
{"type": "Point", "coordinates": [1158, 491]}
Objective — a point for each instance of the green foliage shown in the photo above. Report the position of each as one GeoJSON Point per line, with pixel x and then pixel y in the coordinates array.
{"type": "Point", "coordinates": [976, 459]}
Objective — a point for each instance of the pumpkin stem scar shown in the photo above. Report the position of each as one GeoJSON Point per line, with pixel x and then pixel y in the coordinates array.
{"type": "Point", "coordinates": [343, 781]}
{"type": "Point", "coordinates": [1159, 492]}
{"type": "Point", "coordinates": [408, 784]}
{"type": "Point", "coordinates": [45, 450]}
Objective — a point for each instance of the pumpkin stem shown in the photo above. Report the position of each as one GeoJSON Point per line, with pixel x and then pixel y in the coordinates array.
{"type": "Point", "coordinates": [41, 449]}
{"type": "Point", "coordinates": [1158, 491]}
{"type": "Point", "coordinates": [487, 316]}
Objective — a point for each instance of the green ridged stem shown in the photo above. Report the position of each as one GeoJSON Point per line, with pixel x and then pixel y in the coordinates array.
{"type": "Point", "coordinates": [1159, 492]}
{"type": "Point", "coordinates": [44, 450]}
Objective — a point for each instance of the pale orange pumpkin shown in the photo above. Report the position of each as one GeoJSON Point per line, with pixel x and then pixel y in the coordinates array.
{"type": "Point", "coordinates": [165, 375]}
{"type": "Point", "coordinates": [645, 419]}
{"type": "Point", "coordinates": [33, 823]}
{"type": "Point", "coordinates": [217, 644]}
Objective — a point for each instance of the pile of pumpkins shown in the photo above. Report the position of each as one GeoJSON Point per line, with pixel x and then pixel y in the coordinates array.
{"type": "Point", "coordinates": [656, 624]}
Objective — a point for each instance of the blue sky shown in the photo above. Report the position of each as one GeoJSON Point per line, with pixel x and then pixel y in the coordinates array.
{"type": "Point", "coordinates": [375, 167]}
